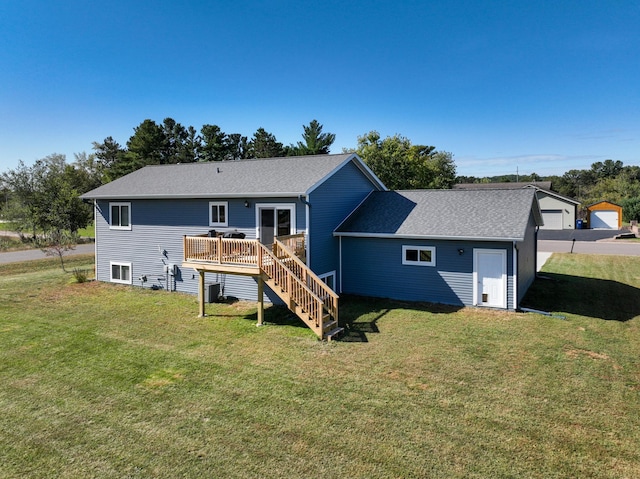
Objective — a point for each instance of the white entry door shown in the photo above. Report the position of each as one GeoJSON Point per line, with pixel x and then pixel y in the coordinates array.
{"type": "Point", "coordinates": [490, 277]}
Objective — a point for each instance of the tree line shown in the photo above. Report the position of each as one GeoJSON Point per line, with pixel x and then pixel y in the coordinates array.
{"type": "Point", "coordinates": [608, 180]}
{"type": "Point", "coordinates": [43, 199]}
{"type": "Point", "coordinates": [170, 142]}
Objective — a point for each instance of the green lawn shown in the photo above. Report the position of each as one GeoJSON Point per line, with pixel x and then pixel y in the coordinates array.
{"type": "Point", "coordinates": [9, 241]}
{"type": "Point", "coordinates": [88, 232]}
{"type": "Point", "coordinates": [101, 380]}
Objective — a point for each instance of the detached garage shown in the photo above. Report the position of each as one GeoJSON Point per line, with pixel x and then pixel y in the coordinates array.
{"type": "Point", "coordinates": [605, 215]}
{"type": "Point", "coordinates": [558, 212]}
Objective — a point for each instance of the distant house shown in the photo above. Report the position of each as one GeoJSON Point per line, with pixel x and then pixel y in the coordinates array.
{"type": "Point", "coordinates": [604, 214]}
{"type": "Point", "coordinates": [301, 230]}
{"type": "Point", "coordinates": [558, 212]}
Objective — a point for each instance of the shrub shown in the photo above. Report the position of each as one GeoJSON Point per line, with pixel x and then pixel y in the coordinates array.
{"type": "Point", "coordinates": [81, 275]}
{"type": "Point", "coordinates": [631, 209]}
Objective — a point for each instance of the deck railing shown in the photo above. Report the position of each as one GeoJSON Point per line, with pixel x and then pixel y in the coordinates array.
{"type": "Point", "coordinates": [311, 280]}
{"type": "Point", "coordinates": [294, 287]}
{"type": "Point", "coordinates": [242, 252]}
{"type": "Point", "coordinates": [296, 244]}
{"type": "Point", "coordinates": [280, 264]}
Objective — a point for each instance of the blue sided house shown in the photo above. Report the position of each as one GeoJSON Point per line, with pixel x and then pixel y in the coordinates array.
{"type": "Point", "coordinates": [301, 230]}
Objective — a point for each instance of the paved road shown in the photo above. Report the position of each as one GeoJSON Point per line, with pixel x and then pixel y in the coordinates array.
{"type": "Point", "coordinates": [616, 247]}
{"type": "Point", "coordinates": [28, 255]}
{"type": "Point", "coordinates": [578, 235]}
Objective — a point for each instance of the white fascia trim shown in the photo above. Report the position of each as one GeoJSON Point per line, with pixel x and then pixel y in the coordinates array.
{"type": "Point", "coordinates": [425, 237]}
{"type": "Point", "coordinates": [359, 164]}
{"type": "Point", "coordinates": [197, 196]}
{"type": "Point", "coordinates": [554, 194]}
{"type": "Point", "coordinates": [369, 172]}
{"type": "Point", "coordinates": [352, 212]}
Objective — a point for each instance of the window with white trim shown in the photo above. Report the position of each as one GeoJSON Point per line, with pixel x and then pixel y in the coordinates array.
{"type": "Point", "coordinates": [120, 272]}
{"type": "Point", "coordinates": [120, 216]}
{"type": "Point", "coordinates": [329, 279]}
{"type": "Point", "coordinates": [218, 213]}
{"type": "Point", "coordinates": [419, 255]}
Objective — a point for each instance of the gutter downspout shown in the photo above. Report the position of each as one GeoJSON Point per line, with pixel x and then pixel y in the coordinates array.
{"type": "Point", "coordinates": [340, 263]}
{"type": "Point", "coordinates": [95, 240]}
{"type": "Point", "coordinates": [305, 202]}
{"type": "Point", "coordinates": [516, 301]}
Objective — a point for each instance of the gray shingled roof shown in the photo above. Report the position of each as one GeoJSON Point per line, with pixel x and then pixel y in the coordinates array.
{"type": "Point", "coordinates": [451, 214]}
{"type": "Point", "coordinates": [545, 185]}
{"type": "Point", "coordinates": [260, 177]}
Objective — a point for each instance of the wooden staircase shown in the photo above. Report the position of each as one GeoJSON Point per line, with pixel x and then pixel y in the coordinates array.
{"type": "Point", "coordinates": [279, 267]}
{"type": "Point", "coordinates": [302, 291]}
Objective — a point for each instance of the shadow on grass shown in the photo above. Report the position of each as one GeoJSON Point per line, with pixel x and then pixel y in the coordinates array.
{"type": "Point", "coordinates": [277, 315]}
{"type": "Point", "coordinates": [359, 315]}
{"type": "Point", "coordinates": [594, 298]}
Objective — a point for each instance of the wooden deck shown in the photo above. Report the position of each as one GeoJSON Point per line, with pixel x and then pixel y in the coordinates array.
{"type": "Point", "coordinates": [280, 267]}
{"type": "Point", "coordinates": [222, 255]}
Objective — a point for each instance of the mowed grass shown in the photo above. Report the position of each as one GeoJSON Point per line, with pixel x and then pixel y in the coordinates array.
{"type": "Point", "coordinates": [100, 380]}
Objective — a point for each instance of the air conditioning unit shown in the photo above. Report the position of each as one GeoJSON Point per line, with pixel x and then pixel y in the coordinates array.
{"type": "Point", "coordinates": [211, 292]}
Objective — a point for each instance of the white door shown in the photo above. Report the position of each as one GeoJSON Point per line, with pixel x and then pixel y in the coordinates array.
{"type": "Point", "coordinates": [490, 277]}
{"type": "Point", "coordinates": [274, 220]}
{"type": "Point", "coordinates": [604, 219]}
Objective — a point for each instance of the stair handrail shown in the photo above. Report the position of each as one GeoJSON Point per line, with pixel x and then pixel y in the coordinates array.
{"type": "Point", "coordinates": [305, 273]}
{"type": "Point", "coordinates": [301, 294]}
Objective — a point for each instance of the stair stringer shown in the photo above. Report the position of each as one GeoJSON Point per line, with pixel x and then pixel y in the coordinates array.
{"type": "Point", "coordinates": [298, 297]}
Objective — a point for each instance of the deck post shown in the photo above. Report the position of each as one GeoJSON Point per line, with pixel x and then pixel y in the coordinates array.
{"type": "Point", "coordinates": [201, 294]}
{"type": "Point", "coordinates": [260, 301]}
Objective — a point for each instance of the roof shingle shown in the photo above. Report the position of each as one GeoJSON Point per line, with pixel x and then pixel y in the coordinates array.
{"type": "Point", "coordinates": [260, 177]}
{"type": "Point", "coordinates": [463, 214]}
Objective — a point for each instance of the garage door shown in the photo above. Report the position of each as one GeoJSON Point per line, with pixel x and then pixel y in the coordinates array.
{"type": "Point", "coordinates": [604, 219]}
{"type": "Point", "coordinates": [552, 219]}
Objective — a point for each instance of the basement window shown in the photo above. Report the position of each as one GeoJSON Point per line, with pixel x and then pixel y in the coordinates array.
{"type": "Point", "coordinates": [121, 272]}
{"type": "Point", "coordinates": [218, 213]}
{"type": "Point", "coordinates": [418, 255]}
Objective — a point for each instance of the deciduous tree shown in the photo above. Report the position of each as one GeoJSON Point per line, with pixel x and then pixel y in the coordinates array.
{"type": "Point", "coordinates": [401, 165]}
{"type": "Point", "coordinates": [45, 196]}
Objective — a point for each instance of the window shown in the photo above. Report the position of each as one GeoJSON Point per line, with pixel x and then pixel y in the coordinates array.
{"type": "Point", "coordinates": [120, 216]}
{"type": "Point", "coordinates": [218, 213]}
{"type": "Point", "coordinates": [329, 279]}
{"type": "Point", "coordinates": [419, 255]}
{"type": "Point", "coordinates": [121, 273]}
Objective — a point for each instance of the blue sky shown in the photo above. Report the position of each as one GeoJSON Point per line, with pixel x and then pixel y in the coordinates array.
{"type": "Point", "coordinates": [542, 86]}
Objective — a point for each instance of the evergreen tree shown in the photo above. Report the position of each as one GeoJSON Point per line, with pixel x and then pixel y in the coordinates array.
{"type": "Point", "coordinates": [264, 145]}
{"type": "Point", "coordinates": [315, 142]}
{"type": "Point", "coordinates": [214, 144]}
